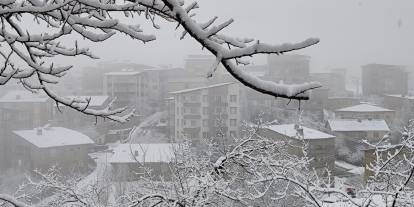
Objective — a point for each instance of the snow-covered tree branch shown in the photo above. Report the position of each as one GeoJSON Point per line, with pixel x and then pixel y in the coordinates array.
{"type": "Point", "coordinates": [96, 21]}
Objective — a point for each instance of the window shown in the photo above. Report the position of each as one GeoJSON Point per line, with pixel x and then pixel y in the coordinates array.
{"type": "Point", "coordinates": [233, 110]}
{"type": "Point", "coordinates": [205, 97]}
{"type": "Point", "coordinates": [183, 122]}
{"type": "Point", "coordinates": [233, 133]}
{"type": "Point", "coordinates": [193, 123]}
{"type": "Point", "coordinates": [376, 135]}
{"type": "Point", "coordinates": [205, 111]}
{"type": "Point", "coordinates": [178, 110]}
{"type": "Point", "coordinates": [205, 123]}
{"type": "Point", "coordinates": [218, 110]}
{"type": "Point", "coordinates": [178, 123]}
{"type": "Point", "coordinates": [233, 98]}
{"type": "Point", "coordinates": [233, 122]}
{"type": "Point", "coordinates": [205, 135]}
{"type": "Point", "coordinates": [193, 110]}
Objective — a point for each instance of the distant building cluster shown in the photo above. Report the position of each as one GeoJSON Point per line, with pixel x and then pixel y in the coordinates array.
{"type": "Point", "coordinates": [175, 105]}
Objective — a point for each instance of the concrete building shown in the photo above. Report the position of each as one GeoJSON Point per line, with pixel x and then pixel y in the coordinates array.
{"type": "Point", "coordinates": [130, 160]}
{"type": "Point", "coordinates": [402, 104]}
{"type": "Point", "coordinates": [333, 81]}
{"type": "Point", "coordinates": [366, 111]}
{"type": "Point", "coordinates": [358, 129]}
{"type": "Point", "coordinates": [143, 90]}
{"type": "Point", "coordinates": [68, 117]}
{"type": "Point", "coordinates": [29, 109]}
{"type": "Point", "coordinates": [334, 103]}
{"type": "Point", "coordinates": [92, 77]}
{"type": "Point", "coordinates": [351, 132]}
{"type": "Point", "coordinates": [321, 146]}
{"type": "Point", "coordinates": [42, 148]}
{"type": "Point", "coordinates": [20, 110]}
{"type": "Point", "coordinates": [379, 79]}
{"type": "Point", "coordinates": [206, 112]}
{"type": "Point", "coordinates": [288, 68]}
{"type": "Point", "coordinates": [200, 65]}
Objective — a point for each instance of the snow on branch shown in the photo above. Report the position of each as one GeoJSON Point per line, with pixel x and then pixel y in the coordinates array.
{"type": "Point", "coordinates": [95, 21]}
{"type": "Point", "coordinates": [212, 40]}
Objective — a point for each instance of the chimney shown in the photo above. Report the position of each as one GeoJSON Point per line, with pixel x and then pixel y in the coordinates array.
{"type": "Point", "coordinates": [300, 131]}
{"type": "Point", "coordinates": [39, 131]}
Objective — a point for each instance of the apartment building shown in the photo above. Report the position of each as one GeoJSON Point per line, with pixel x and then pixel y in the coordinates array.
{"type": "Point", "coordinates": [206, 112]}
{"type": "Point", "coordinates": [142, 90]}
{"type": "Point", "coordinates": [380, 79]}
{"type": "Point", "coordinates": [20, 109]}
{"type": "Point", "coordinates": [321, 146]}
{"type": "Point", "coordinates": [288, 68]}
{"type": "Point", "coordinates": [366, 111]}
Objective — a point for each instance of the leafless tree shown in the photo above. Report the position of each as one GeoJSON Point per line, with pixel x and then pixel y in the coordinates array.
{"type": "Point", "coordinates": [96, 21]}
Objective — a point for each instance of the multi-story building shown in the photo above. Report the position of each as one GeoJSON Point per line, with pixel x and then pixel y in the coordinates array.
{"type": "Point", "coordinates": [288, 68]}
{"type": "Point", "coordinates": [143, 90]}
{"type": "Point", "coordinates": [92, 77]}
{"type": "Point", "coordinates": [402, 104]}
{"type": "Point", "coordinates": [334, 103]}
{"type": "Point", "coordinates": [333, 81]}
{"type": "Point", "coordinates": [379, 79]}
{"type": "Point", "coordinates": [321, 146]}
{"type": "Point", "coordinates": [351, 132]}
{"type": "Point", "coordinates": [200, 64]}
{"type": "Point", "coordinates": [127, 87]}
{"type": "Point", "coordinates": [206, 112]}
{"type": "Point", "coordinates": [29, 109]}
{"type": "Point", "coordinates": [366, 111]}
{"type": "Point", "coordinates": [359, 129]}
{"type": "Point", "coordinates": [20, 110]}
{"type": "Point", "coordinates": [128, 160]}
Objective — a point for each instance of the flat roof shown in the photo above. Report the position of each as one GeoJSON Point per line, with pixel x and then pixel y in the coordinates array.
{"type": "Point", "coordinates": [131, 153]}
{"type": "Point", "coordinates": [53, 137]}
{"type": "Point", "coordinates": [289, 130]}
{"type": "Point", "coordinates": [364, 108]}
{"type": "Point", "coordinates": [200, 88]}
{"type": "Point", "coordinates": [358, 125]}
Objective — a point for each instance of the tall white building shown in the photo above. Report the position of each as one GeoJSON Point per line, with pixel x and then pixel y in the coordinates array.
{"type": "Point", "coordinates": [206, 112]}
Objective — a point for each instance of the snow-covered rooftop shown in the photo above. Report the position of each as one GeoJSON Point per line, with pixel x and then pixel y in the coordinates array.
{"type": "Point", "coordinates": [123, 73]}
{"type": "Point", "coordinates": [364, 108]}
{"type": "Point", "coordinates": [125, 153]}
{"type": "Point", "coordinates": [289, 130]}
{"type": "Point", "coordinates": [200, 88]}
{"type": "Point", "coordinates": [23, 96]}
{"type": "Point", "coordinates": [410, 97]}
{"type": "Point", "coordinates": [355, 125]}
{"type": "Point", "coordinates": [53, 137]}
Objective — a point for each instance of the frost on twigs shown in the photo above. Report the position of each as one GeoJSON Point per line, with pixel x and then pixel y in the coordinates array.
{"type": "Point", "coordinates": [229, 50]}
{"type": "Point", "coordinates": [92, 19]}
{"type": "Point", "coordinates": [96, 21]}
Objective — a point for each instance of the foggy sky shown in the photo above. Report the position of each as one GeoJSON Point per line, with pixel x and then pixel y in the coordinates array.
{"type": "Point", "coordinates": [352, 32]}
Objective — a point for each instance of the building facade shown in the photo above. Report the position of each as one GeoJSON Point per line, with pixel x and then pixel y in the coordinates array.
{"type": "Point", "coordinates": [206, 112]}
{"type": "Point", "coordinates": [379, 79]}
{"type": "Point", "coordinates": [321, 146]}
{"type": "Point", "coordinates": [366, 111]}
{"type": "Point", "coordinates": [288, 68]}
{"type": "Point", "coordinates": [42, 148]}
